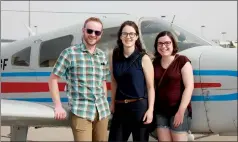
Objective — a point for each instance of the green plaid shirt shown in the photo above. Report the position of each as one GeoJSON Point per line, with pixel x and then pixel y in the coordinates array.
{"type": "Point", "coordinates": [84, 74]}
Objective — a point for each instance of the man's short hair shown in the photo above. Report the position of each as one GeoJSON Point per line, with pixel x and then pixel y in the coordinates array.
{"type": "Point", "coordinates": [94, 19]}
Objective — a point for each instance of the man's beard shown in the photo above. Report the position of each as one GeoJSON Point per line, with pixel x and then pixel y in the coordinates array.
{"type": "Point", "coordinates": [88, 43]}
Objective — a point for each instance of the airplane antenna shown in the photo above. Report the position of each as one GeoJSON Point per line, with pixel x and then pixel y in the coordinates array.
{"type": "Point", "coordinates": [31, 33]}
{"type": "Point", "coordinates": [30, 30]}
{"type": "Point", "coordinates": [172, 20]}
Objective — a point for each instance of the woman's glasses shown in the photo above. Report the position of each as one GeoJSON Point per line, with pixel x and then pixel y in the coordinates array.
{"type": "Point", "coordinates": [125, 34]}
{"type": "Point", "coordinates": [166, 43]}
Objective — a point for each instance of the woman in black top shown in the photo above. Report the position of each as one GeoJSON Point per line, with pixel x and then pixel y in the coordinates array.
{"type": "Point", "coordinates": [132, 76]}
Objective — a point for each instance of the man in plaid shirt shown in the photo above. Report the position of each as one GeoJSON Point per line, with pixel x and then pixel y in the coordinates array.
{"type": "Point", "coordinates": [85, 69]}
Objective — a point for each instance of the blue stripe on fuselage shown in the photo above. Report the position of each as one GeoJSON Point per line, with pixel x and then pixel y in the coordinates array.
{"type": "Point", "coordinates": [227, 97]}
{"type": "Point", "coordinates": [24, 74]}
{"type": "Point", "coordinates": [215, 73]}
{"type": "Point", "coordinates": [195, 72]}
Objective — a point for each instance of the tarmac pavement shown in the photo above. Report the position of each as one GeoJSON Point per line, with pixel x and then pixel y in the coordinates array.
{"type": "Point", "coordinates": [65, 134]}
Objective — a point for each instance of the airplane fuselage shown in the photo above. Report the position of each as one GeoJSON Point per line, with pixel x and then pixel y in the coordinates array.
{"type": "Point", "coordinates": [26, 66]}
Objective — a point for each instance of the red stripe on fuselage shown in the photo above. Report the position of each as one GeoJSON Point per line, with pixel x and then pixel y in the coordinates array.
{"type": "Point", "coordinates": [207, 85]}
{"type": "Point", "coordinates": [29, 87]}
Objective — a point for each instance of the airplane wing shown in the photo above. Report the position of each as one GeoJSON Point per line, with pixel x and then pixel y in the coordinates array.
{"type": "Point", "coordinates": [23, 113]}
{"type": "Point", "coordinates": [7, 40]}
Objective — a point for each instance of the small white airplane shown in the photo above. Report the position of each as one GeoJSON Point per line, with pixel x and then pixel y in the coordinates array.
{"type": "Point", "coordinates": [27, 64]}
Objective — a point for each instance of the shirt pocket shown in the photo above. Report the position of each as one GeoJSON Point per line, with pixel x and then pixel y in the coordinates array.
{"type": "Point", "coordinates": [99, 67]}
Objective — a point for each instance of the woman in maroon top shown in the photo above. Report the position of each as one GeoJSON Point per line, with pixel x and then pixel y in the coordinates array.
{"type": "Point", "coordinates": [173, 94]}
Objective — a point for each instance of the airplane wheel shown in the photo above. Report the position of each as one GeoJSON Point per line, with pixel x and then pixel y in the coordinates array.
{"type": "Point", "coordinates": [190, 136]}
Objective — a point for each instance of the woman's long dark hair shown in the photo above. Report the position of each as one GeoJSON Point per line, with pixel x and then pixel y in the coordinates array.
{"type": "Point", "coordinates": [118, 51]}
{"type": "Point", "coordinates": [161, 34]}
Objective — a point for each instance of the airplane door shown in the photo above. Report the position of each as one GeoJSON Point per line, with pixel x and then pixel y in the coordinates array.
{"type": "Point", "coordinates": [219, 85]}
{"type": "Point", "coordinates": [199, 118]}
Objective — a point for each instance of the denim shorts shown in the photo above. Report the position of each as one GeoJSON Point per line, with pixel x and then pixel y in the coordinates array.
{"type": "Point", "coordinates": [163, 121]}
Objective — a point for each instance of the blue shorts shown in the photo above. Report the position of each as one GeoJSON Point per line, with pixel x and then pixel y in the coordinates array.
{"type": "Point", "coordinates": [163, 121]}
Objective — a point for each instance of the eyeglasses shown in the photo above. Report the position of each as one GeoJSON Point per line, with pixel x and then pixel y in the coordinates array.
{"type": "Point", "coordinates": [166, 43]}
{"type": "Point", "coordinates": [124, 34]}
{"type": "Point", "coordinates": [90, 31]}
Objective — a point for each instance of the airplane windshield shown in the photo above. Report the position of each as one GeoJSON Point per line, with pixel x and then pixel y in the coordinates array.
{"type": "Point", "coordinates": [150, 28]}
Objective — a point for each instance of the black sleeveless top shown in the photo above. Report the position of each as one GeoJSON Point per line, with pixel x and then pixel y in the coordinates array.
{"type": "Point", "coordinates": [131, 84]}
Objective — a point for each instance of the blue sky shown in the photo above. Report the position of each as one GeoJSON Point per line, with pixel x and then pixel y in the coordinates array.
{"type": "Point", "coordinates": [217, 16]}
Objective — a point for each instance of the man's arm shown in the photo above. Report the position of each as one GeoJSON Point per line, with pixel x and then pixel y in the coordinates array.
{"type": "Point", "coordinates": [58, 72]}
{"type": "Point", "coordinates": [54, 89]}
{"type": "Point", "coordinates": [60, 113]}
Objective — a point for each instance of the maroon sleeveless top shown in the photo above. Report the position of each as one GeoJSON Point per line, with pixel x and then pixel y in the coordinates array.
{"type": "Point", "coordinates": [168, 95]}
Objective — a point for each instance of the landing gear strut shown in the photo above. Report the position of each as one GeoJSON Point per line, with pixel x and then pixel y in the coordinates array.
{"type": "Point", "coordinates": [18, 133]}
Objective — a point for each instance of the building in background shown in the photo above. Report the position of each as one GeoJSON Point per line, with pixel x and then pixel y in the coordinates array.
{"type": "Point", "coordinates": [234, 43]}
{"type": "Point", "coordinates": [6, 41]}
{"type": "Point", "coordinates": [227, 43]}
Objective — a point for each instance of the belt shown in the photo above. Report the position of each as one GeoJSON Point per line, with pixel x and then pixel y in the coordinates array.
{"type": "Point", "coordinates": [127, 100]}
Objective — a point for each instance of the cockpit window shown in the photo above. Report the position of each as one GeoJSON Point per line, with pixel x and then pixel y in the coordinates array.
{"type": "Point", "coordinates": [51, 49]}
{"type": "Point", "coordinates": [151, 28]}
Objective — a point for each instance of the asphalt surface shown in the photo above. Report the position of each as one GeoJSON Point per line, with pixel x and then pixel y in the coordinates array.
{"type": "Point", "coordinates": [65, 134]}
